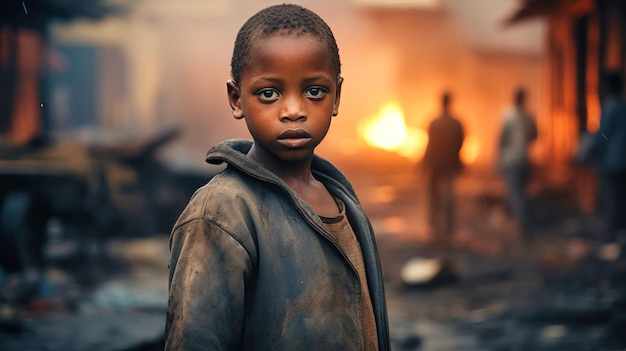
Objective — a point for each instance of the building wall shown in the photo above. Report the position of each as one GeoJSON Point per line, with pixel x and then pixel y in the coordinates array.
{"type": "Point", "coordinates": [605, 46]}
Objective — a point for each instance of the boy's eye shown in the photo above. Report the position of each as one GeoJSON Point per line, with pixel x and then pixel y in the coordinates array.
{"type": "Point", "coordinates": [268, 94]}
{"type": "Point", "coordinates": [315, 92]}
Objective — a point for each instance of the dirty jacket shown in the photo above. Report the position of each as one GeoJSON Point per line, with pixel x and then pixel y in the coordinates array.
{"type": "Point", "coordinates": [252, 266]}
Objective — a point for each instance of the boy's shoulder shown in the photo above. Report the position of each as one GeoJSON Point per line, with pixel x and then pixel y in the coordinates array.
{"type": "Point", "coordinates": [228, 183]}
{"type": "Point", "coordinates": [216, 198]}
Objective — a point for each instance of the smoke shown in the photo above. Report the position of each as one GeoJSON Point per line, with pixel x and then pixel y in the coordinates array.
{"type": "Point", "coordinates": [178, 57]}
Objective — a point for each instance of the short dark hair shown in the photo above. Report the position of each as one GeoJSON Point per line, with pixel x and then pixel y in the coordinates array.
{"type": "Point", "coordinates": [446, 99]}
{"type": "Point", "coordinates": [520, 96]}
{"type": "Point", "coordinates": [283, 19]}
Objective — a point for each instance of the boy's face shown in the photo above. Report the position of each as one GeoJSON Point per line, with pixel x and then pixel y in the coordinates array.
{"type": "Point", "coordinates": [287, 95]}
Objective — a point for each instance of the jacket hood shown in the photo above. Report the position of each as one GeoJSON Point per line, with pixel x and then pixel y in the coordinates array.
{"type": "Point", "coordinates": [234, 153]}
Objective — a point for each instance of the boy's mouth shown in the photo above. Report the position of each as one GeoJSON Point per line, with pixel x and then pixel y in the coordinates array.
{"type": "Point", "coordinates": [294, 138]}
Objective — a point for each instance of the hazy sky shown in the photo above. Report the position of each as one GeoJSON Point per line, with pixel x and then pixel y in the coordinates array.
{"type": "Point", "coordinates": [483, 21]}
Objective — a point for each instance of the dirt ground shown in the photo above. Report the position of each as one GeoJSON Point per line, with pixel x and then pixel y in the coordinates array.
{"type": "Point", "coordinates": [562, 289]}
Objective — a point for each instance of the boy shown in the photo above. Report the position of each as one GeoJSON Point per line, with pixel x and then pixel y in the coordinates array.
{"type": "Point", "coordinates": [275, 252]}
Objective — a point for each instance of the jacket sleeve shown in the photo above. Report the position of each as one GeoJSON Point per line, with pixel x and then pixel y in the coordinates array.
{"type": "Point", "coordinates": [208, 272]}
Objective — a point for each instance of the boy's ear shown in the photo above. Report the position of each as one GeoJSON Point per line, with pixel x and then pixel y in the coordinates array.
{"type": "Point", "coordinates": [337, 96]}
{"type": "Point", "coordinates": [234, 98]}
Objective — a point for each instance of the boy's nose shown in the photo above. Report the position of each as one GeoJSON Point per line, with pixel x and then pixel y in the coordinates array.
{"type": "Point", "coordinates": [293, 110]}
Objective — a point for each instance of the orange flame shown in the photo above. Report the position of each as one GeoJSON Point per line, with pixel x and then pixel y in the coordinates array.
{"type": "Point", "coordinates": [470, 149]}
{"type": "Point", "coordinates": [388, 131]}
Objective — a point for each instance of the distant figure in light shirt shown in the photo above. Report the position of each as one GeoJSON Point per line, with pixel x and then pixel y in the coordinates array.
{"type": "Point", "coordinates": [519, 129]}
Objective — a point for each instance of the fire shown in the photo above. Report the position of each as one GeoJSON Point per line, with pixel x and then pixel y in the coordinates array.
{"type": "Point", "coordinates": [470, 149]}
{"type": "Point", "coordinates": [388, 131]}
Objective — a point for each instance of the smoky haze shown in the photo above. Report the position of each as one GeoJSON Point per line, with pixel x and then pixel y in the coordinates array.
{"type": "Point", "coordinates": [178, 59]}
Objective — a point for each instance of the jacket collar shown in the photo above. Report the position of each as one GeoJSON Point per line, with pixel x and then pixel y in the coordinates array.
{"type": "Point", "coordinates": [234, 153]}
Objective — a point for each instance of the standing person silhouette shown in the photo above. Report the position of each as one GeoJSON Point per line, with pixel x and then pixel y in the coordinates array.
{"type": "Point", "coordinates": [276, 252]}
{"type": "Point", "coordinates": [518, 131]}
{"type": "Point", "coordinates": [442, 165]}
{"type": "Point", "coordinates": [609, 144]}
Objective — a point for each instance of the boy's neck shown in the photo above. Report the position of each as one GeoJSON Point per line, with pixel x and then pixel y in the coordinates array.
{"type": "Point", "coordinates": [295, 174]}
{"type": "Point", "coordinates": [299, 178]}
